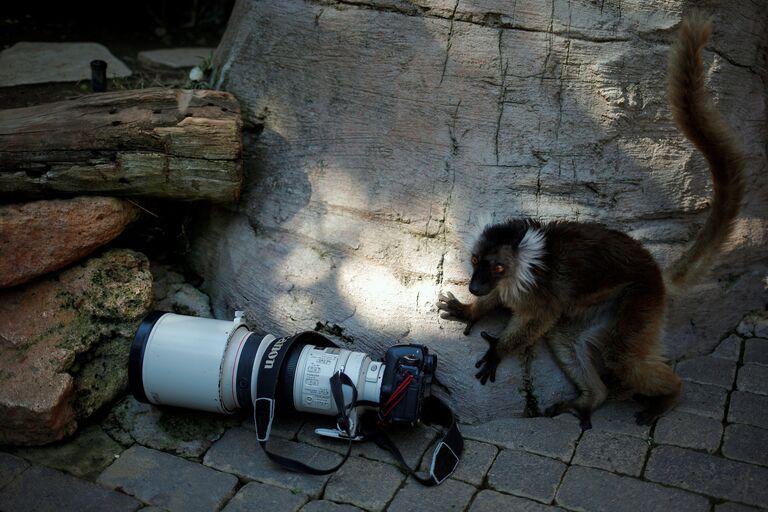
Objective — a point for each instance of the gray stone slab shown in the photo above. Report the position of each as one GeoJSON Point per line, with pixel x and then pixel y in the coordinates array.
{"type": "Point", "coordinates": [85, 456]}
{"type": "Point", "coordinates": [36, 63]}
{"type": "Point", "coordinates": [168, 481]}
{"type": "Point", "coordinates": [688, 430]}
{"type": "Point", "coordinates": [492, 501]}
{"type": "Point", "coordinates": [286, 426]}
{"type": "Point", "coordinates": [708, 474]}
{"type": "Point", "coordinates": [10, 467]}
{"type": "Point", "coordinates": [176, 57]}
{"type": "Point", "coordinates": [756, 351]}
{"type": "Point", "coordinates": [614, 452]}
{"type": "Point", "coordinates": [526, 474]}
{"type": "Point", "coordinates": [328, 506]}
{"type": "Point", "coordinates": [265, 498]}
{"type": "Point", "coordinates": [748, 408]}
{"type": "Point", "coordinates": [703, 399]}
{"type": "Point", "coordinates": [475, 462]}
{"type": "Point", "coordinates": [40, 489]}
{"type": "Point", "coordinates": [734, 507]}
{"type": "Point", "coordinates": [708, 370]}
{"type": "Point", "coordinates": [238, 452]}
{"type": "Point", "coordinates": [544, 436]}
{"type": "Point", "coordinates": [411, 441]}
{"type": "Point", "coordinates": [594, 490]}
{"type": "Point", "coordinates": [753, 378]}
{"type": "Point", "coordinates": [367, 484]}
{"type": "Point", "coordinates": [619, 417]}
{"type": "Point", "coordinates": [729, 348]}
{"type": "Point", "coordinates": [451, 495]}
{"type": "Point", "coordinates": [746, 443]}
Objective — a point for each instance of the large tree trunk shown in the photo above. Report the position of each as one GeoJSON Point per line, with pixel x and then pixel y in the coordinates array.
{"type": "Point", "coordinates": [393, 129]}
{"type": "Point", "coordinates": [173, 144]}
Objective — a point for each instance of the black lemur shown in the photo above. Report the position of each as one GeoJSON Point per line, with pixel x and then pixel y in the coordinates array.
{"type": "Point", "coordinates": [594, 294]}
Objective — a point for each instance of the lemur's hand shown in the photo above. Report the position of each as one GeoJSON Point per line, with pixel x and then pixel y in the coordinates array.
{"type": "Point", "coordinates": [453, 309]}
{"type": "Point", "coordinates": [489, 362]}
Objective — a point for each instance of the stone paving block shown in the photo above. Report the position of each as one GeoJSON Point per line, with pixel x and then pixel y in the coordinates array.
{"type": "Point", "coordinates": [168, 481]}
{"type": "Point", "coordinates": [286, 425]}
{"type": "Point", "coordinates": [176, 57]}
{"type": "Point", "coordinates": [239, 453]}
{"type": "Point", "coordinates": [367, 484]}
{"type": "Point", "coordinates": [84, 456]}
{"type": "Point", "coordinates": [594, 490]}
{"type": "Point", "coordinates": [36, 63]}
{"type": "Point", "coordinates": [526, 474]}
{"type": "Point", "coordinates": [265, 498]}
{"type": "Point", "coordinates": [680, 428]}
{"type": "Point", "coordinates": [619, 417]}
{"type": "Point", "coordinates": [544, 436]}
{"type": "Point", "coordinates": [411, 441]}
{"type": "Point", "coordinates": [753, 378]}
{"type": "Point", "coordinates": [707, 370]}
{"type": "Point", "coordinates": [746, 443]}
{"type": "Point", "coordinates": [748, 408]}
{"type": "Point", "coordinates": [492, 501]}
{"type": "Point", "coordinates": [703, 399]}
{"type": "Point", "coordinates": [451, 495]}
{"type": "Point", "coordinates": [734, 507]}
{"type": "Point", "coordinates": [10, 467]}
{"type": "Point", "coordinates": [618, 453]}
{"type": "Point", "coordinates": [729, 348]}
{"type": "Point", "coordinates": [756, 351]}
{"type": "Point", "coordinates": [328, 506]}
{"type": "Point", "coordinates": [475, 461]}
{"type": "Point", "coordinates": [40, 489]}
{"type": "Point", "coordinates": [708, 474]}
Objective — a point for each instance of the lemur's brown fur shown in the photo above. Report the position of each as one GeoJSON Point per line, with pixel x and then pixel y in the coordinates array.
{"type": "Point", "coordinates": [596, 295]}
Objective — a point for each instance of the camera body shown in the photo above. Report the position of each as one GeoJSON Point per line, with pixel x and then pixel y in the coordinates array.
{"type": "Point", "coordinates": [412, 368]}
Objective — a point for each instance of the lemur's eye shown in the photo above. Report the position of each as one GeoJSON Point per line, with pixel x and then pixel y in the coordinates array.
{"type": "Point", "coordinates": [499, 269]}
{"type": "Point", "coordinates": [475, 261]}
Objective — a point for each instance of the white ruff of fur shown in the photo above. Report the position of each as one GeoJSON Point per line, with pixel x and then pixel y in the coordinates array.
{"type": "Point", "coordinates": [530, 252]}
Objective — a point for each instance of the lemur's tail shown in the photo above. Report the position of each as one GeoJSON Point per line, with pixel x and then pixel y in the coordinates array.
{"type": "Point", "coordinates": [703, 125]}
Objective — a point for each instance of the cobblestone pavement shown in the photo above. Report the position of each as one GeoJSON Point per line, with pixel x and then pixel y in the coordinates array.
{"type": "Point", "coordinates": [709, 454]}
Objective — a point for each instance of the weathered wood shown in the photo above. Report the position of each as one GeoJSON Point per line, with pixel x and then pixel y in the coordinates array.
{"type": "Point", "coordinates": [172, 144]}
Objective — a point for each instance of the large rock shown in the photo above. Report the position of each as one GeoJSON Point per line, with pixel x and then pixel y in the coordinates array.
{"type": "Point", "coordinates": [392, 130]}
{"type": "Point", "coordinates": [43, 236]}
{"type": "Point", "coordinates": [64, 344]}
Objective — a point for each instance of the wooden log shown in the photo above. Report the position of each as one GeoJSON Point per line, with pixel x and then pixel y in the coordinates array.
{"type": "Point", "coordinates": [173, 144]}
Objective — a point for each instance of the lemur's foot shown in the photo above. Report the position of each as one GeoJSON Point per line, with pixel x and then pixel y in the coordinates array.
{"type": "Point", "coordinates": [583, 413]}
{"type": "Point", "coordinates": [492, 340]}
{"type": "Point", "coordinates": [488, 364]}
{"type": "Point", "coordinates": [453, 309]}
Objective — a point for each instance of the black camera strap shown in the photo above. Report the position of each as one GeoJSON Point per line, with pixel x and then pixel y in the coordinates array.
{"type": "Point", "coordinates": [264, 404]}
{"type": "Point", "coordinates": [445, 458]}
{"type": "Point", "coordinates": [447, 453]}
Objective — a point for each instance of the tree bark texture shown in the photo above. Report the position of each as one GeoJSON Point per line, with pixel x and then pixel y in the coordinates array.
{"type": "Point", "coordinates": [172, 144]}
{"type": "Point", "coordinates": [393, 130]}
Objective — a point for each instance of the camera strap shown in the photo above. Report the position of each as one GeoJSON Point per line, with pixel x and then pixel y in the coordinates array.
{"type": "Point", "coordinates": [445, 458]}
{"type": "Point", "coordinates": [447, 453]}
{"type": "Point", "coordinates": [264, 404]}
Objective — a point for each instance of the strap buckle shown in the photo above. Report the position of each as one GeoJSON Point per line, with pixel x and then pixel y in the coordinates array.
{"type": "Point", "coordinates": [258, 412]}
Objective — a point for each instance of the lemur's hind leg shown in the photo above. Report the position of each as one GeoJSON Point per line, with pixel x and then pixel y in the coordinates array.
{"type": "Point", "coordinates": [635, 353]}
{"type": "Point", "coordinates": [575, 357]}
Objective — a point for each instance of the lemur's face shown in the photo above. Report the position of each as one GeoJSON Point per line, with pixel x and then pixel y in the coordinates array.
{"type": "Point", "coordinates": [489, 268]}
